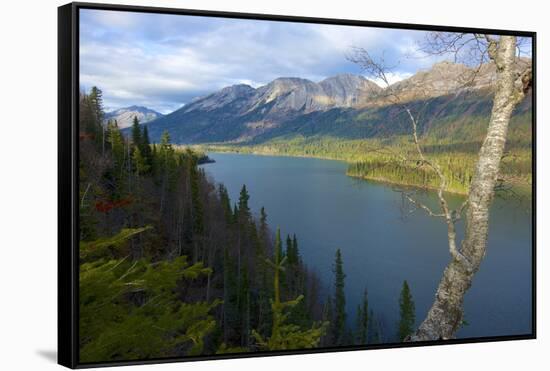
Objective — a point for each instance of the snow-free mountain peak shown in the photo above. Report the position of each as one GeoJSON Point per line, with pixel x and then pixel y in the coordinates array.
{"type": "Point", "coordinates": [343, 105]}
{"type": "Point", "coordinates": [125, 116]}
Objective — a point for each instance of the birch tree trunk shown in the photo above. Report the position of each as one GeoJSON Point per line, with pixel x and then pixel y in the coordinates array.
{"type": "Point", "coordinates": [446, 314]}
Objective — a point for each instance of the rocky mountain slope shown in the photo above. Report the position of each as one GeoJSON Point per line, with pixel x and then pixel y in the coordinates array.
{"type": "Point", "coordinates": [343, 106]}
{"type": "Point", "coordinates": [125, 116]}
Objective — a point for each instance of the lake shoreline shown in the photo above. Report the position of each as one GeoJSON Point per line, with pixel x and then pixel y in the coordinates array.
{"type": "Point", "coordinates": [372, 179]}
{"type": "Point", "coordinates": [405, 185]}
{"type": "Point", "coordinates": [376, 180]}
{"type": "Point", "coordinates": [274, 154]}
{"type": "Point", "coordinates": [378, 238]}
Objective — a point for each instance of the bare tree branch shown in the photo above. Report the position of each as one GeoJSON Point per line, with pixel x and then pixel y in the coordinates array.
{"type": "Point", "coordinates": [513, 82]}
{"type": "Point", "coordinates": [420, 205]}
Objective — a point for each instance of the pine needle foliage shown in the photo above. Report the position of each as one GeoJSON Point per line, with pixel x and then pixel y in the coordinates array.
{"type": "Point", "coordinates": [130, 310]}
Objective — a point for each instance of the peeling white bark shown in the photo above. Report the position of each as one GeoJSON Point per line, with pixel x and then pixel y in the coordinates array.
{"type": "Point", "coordinates": [446, 314]}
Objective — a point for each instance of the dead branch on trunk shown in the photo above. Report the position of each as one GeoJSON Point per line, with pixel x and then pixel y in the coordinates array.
{"type": "Point", "coordinates": [378, 69]}
{"type": "Point", "coordinates": [513, 81]}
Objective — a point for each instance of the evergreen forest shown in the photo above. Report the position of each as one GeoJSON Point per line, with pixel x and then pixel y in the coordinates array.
{"type": "Point", "coordinates": [170, 266]}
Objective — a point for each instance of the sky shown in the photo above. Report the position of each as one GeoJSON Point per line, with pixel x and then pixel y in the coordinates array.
{"type": "Point", "coordinates": [163, 61]}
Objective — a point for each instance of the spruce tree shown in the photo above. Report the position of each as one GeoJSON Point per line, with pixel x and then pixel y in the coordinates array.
{"type": "Point", "coordinates": [292, 251]}
{"type": "Point", "coordinates": [264, 229]}
{"type": "Point", "coordinates": [140, 163]}
{"type": "Point", "coordinates": [112, 327]}
{"type": "Point", "coordinates": [295, 273]}
{"type": "Point", "coordinates": [165, 166]}
{"type": "Point", "coordinates": [145, 147]}
{"type": "Point", "coordinates": [165, 153]}
{"type": "Point", "coordinates": [197, 207]}
{"type": "Point", "coordinates": [339, 325]}
{"type": "Point", "coordinates": [289, 250]}
{"type": "Point", "coordinates": [263, 217]}
{"type": "Point", "coordinates": [279, 255]}
{"type": "Point", "coordinates": [295, 249]}
{"type": "Point", "coordinates": [96, 100]}
{"type": "Point", "coordinates": [363, 320]}
{"type": "Point", "coordinates": [244, 209]}
{"type": "Point", "coordinates": [371, 335]}
{"type": "Point", "coordinates": [235, 214]}
{"type": "Point", "coordinates": [91, 111]}
{"type": "Point", "coordinates": [278, 252]}
{"type": "Point", "coordinates": [406, 312]}
{"type": "Point", "coordinates": [226, 203]}
{"type": "Point", "coordinates": [328, 317]}
{"type": "Point", "coordinates": [286, 335]}
{"type": "Point", "coordinates": [165, 139]}
{"type": "Point", "coordinates": [136, 132]}
{"type": "Point", "coordinates": [116, 141]}
{"type": "Point", "coordinates": [266, 288]}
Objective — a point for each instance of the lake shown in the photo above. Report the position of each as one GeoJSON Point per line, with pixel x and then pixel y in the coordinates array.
{"type": "Point", "coordinates": [382, 244]}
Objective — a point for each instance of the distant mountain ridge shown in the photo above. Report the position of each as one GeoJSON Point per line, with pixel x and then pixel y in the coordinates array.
{"type": "Point", "coordinates": [347, 105]}
{"type": "Point", "coordinates": [125, 116]}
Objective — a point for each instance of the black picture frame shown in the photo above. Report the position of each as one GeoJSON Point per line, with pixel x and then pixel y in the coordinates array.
{"type": "Point", "coordinates": [68, 159]}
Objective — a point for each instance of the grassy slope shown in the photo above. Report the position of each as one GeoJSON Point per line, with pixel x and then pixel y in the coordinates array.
{"type": "Point", "coordinates": [379, 158]}
{"type": "Point", "coordinates": [374, 140]}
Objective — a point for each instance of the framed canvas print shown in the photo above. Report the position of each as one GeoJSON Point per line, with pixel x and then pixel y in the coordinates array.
{"type": "Point", "coordinates": [236, 185]}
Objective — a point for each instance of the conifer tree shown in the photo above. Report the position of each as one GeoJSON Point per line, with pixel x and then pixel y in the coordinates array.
{"type": "Point", "coordinates": [140, 164]}
{"type": "Point", "coordinates": [140, 296]}
{"type": "Point", "coordinates": [145, 147]}
{"type": "Point", "coordinates": [406, 312]}
{"type": "Point", "coordinates": [264, 279]}
{"type": "Point", "coordinates": [136, 133]}
{"type": "Point", "coordinates": [91, 112]}
{"type": "Point", "coordinates": [166, 167]}
{"type": "Point", "coordinates": [282, 274]}
{"type": "Point", "coordinates": [263, 217]}
{"type": "Point", "coordinates": [328, 317]}
{"type": "Point", "coordinates": [295, 249]}
{"type": "Point", "coordinates": [278, 251]}
{"type": "Point", "coordinates": [96, 100]}
{"type": "Point", "coordinates": [328, 312]}
{"type": "Point", "coordinates": [339, 325]}
{"type": "Point", "coordinates": [244, 304]}
{"type": "Point", "coordinates": [244, 209]}
{"type": "Point", "coordinates": [235, 214]}
{"type": "Point", "coordinates": [232, 316]}
{"type": "Point", "coordinates": [154, 161]}
{"type": "Point", "coordinates": [114, 328]}
{"type": "Point", "coordinates": [295, 275]}
{"type": "Point", "coordinates": [165, 153]}
{"type": "Point", "coordinates": [373, 336]}
{"type": "Point", "coordinates": [264, 229]}
{"type": "Point", "coordinates": [116, 141]}
{"type": "Point", "coordinates": [198, 224]}
{"type": "Point", "coordinates": [292, 250]}
{"type": "Point", "coordinates": [226, 203]}
{"type": "Point", "coordinates": [284, 335]}
{"type": "Point", "coordinates": [289, 252]}
{"type": "Point", "coordinates": [363, 319]}
{"type": "Point", "coordinates": [164, 138]}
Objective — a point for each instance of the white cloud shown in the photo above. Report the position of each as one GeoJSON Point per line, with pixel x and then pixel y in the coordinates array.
{"type": "Point", "coordinates": [120, 19]}
{"type": "Point", "coordinates": [164, 62]}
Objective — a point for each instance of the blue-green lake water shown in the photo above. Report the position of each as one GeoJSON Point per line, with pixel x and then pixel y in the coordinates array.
{"type": "Point", "coordinates": [382, 244]}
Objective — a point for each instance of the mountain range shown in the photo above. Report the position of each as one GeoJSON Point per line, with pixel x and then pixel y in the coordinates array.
{"type": "Point", "coordinates": [125, 116]}
{"type": "Point", "coordinates": [343, 106]}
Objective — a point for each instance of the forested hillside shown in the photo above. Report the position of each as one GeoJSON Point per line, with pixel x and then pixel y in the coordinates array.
{"type": "Point", "coordinates": [348, 117]}
{"type": "Point", "coordinates": [374, 141]}
{"type": "Point", "coordinates": [170, 266]}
